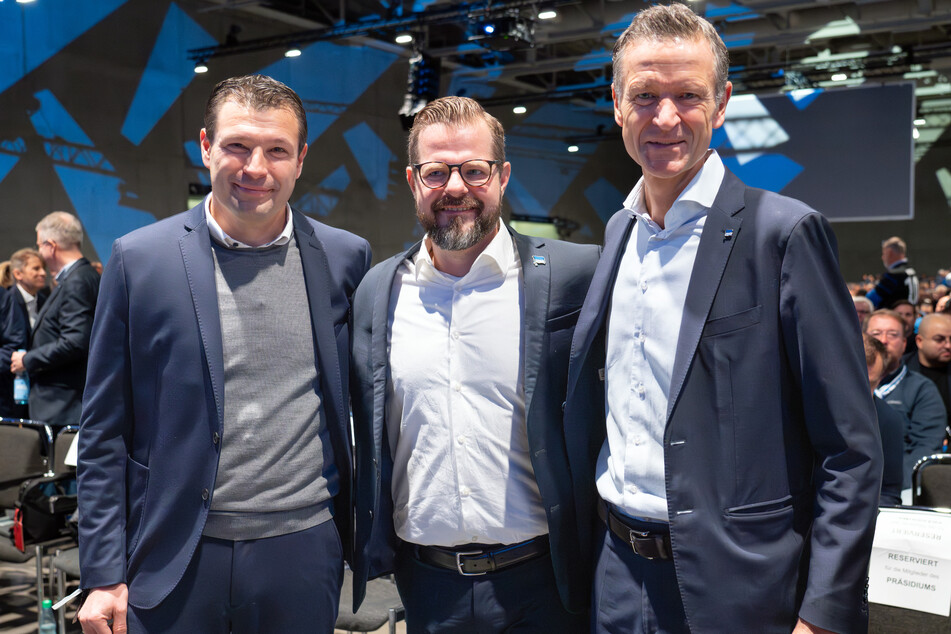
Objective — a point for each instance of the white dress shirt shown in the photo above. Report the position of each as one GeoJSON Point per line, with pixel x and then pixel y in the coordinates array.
{"type": "Point", "coordinates": [218, 234]}
{"type": "Point", "coordinates": [644, 320]}
{"type": "Point", "coordinates": [455, 405]}
{"type": "Point", "coordinates": [30, 301]}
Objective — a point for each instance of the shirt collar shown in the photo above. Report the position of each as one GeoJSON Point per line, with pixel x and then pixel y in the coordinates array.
{"type": "Point", "coordinates": [27, 297]}
{"type": "Point", "coordinates": [218, 234]}
{"type": "Point", "coordinates": [65, 269]}
{"type": "Point", "coordinates": [495, 259]}
{"type": "Point", "coordinates": [700, 193]}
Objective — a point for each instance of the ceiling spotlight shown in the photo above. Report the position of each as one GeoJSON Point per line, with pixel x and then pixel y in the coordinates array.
{"type": "Point", "coordinates": [292, 52]}
{"type": "Point", "coordinates": [403, 38]}
{"type": "Point", "coordinates": [915, 134]}
{"type": "Point", "coordinates": [572, 148]}
{"type": "Point", "coordinates": [839, 77]}
{"type": "Point", "coordinates": [488, 29]}
{"type": "Point", "coordinates": [547, 15]}
{"type": "Point", "coordinates": [921, 121]}
{"type": "Point", "coordinates": [201, 67]}
{"type": "Point", "coordinates": [519, 109]}
{"type": "Point", "coordinates": [24, 1]}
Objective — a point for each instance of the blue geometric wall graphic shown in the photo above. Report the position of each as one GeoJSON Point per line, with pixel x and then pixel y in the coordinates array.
{"type": "Point", "coordinates": [193, 152]}
{"type": "Point", "coordinates": [373, 156]}
{"type": "Point", "coordinates": [329, 77]}
{"type": "Point", "coordinates": [95, 198]}
{"type": "Point", "coordinates": [52, 121]}
{"type": "Point", "coordinates": [321, 203]}
{"type": "Point", "coordinates": [31, 34]}
{"type": "Point", "coordinates": [541, 166]}
{"type": "Point", "coordinates": [605, 198]}
{"type": "Point", "coordinates": [167, 73]}
{"type": "Point", "coordinates": [7, 161]}
{"type": "Point", "coordinates": [767, 171]}
{"type": "Point", "coordinates": [804, 97]}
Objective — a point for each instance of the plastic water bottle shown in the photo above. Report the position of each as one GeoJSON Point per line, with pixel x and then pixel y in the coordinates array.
{"type": "Point", "coordinates": [21, 387]}
{"type": "Point", "coordinates": [47, 618]}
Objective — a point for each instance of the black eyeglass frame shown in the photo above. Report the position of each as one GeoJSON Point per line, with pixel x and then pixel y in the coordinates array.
{"type": "Point", "coordinates": [492, 163]}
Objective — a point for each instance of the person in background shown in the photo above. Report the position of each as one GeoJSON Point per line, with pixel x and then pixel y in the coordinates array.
{"type": "Point", "coordinates": [932, 359]}
{"type": "Point", "coordinates": [899, 281]}
{"type": "Point", "coordinates": [908, 313]}
{"type": "Point", "coordinates": [59, 339]}
{"type": "Point", "coordinates": [890, 425]}
{"type": "Point", "coordinates": [863, 307]}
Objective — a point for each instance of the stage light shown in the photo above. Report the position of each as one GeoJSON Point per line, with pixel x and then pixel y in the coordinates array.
{"type": "Point", "coordinates": [201, 67]}
{"type": "Point", "coordinates": [519, 109]}
{"type": "Point", "coordinates": [292, 52]}
{"type": "Point", "coordinates": [403, 38]}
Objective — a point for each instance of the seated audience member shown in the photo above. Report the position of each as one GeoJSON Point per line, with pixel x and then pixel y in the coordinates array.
{"type": "Point", "coordinates": [6, 274]}
{"type": "Point", "coordinates": [890, 425]}
{"type": "Point", "coordinates": [933, 356]}
{"type": "Point", "coordinates": [908, 313]}
{"type": "Point", "coordinates": [943, 305]}
{"type": "Point", "coordinates": [863, 307]}
{"type": "Point", "coordinates": [908, 392]}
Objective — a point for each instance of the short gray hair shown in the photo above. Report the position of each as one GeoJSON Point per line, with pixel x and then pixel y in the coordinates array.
{"type": "Point", "coordinates": [660, 23]}
{"type": "Point", "coordinates": [61, 227]}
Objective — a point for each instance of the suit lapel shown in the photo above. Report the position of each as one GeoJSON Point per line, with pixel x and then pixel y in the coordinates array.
{"type": "Point", "coordinates": [319, 291]}
{"type": "Point", "coordinates": [536, 280]}
{"type": "Point", "coordinates": [595, 307]}
{"type": "Point", "coordinates": [195, 245]}
{"type": "Point", "coordinates": [720, 232]}
{"type": "Point", "coordinates": [379, 327]}
{"type": "Point", "coordinates": [42, 309]}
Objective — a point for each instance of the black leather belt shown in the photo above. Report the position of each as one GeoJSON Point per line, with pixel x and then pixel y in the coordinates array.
{"type": "Point", "coordinates": [646, 543]}
{"type": "Point", "coordinates": [479, 562]}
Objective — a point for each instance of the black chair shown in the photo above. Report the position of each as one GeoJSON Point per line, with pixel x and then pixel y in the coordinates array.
{"type": "Point", "coordinates": [24, 449]}
{"type": "Point", "coordinates": [65, 567]}
{"type": "Point", "coordinates": [931, 482]}
{"type": "Point", "coordinates": [380, 606]}
{"type": "Point", "coordinates": [61, 444]}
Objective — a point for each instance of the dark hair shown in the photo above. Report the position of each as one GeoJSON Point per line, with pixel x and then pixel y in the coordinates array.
{"type": "Point", "coordinates": [455, 112]}
{"type": "Point", "coordinates": [257, 92]}
{"type": "Point", "coordinates": [660, 23]}
{"type": "Point", "coordinates": [874, 348]}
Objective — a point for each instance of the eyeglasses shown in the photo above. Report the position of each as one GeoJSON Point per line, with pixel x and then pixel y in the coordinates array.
{"type": "Point", "coordinates": [474, 172]}
{"type": "Point", "coordinates": [889, 334]}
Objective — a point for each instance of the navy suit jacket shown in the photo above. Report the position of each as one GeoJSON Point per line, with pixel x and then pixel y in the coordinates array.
{"type": "Point", "coordinates": [148, 450]}
{"type": "Point", "coordinates": [772, 453]}
{"type": "Point", "coordinates": [553, 291]}
{"type": "Point", "coordinates": [59, 347]}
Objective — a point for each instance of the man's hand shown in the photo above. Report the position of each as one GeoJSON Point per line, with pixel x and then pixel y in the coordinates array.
{"type": "Point", "coordinates": [104, 605]}
{"type": "Point", "coordinates": [16, 362]}
{"type": "Point", "coordinates": [807, 628]}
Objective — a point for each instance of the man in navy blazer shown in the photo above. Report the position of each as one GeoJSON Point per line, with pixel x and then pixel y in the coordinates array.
{"type": "Point", "coordinates": [718, 403]}
{"type": "Point", "coordinates": [59, 341]}
{"type": "Point", "coordinates": [214, 447]}
{"type": "Point", "coordinates": [21, 303]}
{"type": "Point", "coordinates": [459, 362]}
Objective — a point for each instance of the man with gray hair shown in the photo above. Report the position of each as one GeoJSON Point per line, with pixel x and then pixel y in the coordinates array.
{"type": "Point", "coordinates": [56, 360]}
{"type": "Point", "coordinates": [899, 281]}
{"type": "Point", "coordinates": [717, 403]}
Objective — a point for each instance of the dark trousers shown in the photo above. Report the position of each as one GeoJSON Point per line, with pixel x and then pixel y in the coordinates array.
{"type": "Point", "coordinates": [289, 583]}
{"type": "Point", "coordinates": [521, 598]}
{"type": "Point", "coordinates": [632, 594]}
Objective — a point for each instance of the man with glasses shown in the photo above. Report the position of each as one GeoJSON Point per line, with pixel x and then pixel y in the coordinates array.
{"type": "Point", "coordinates": [908, 392]}
{"type": "Point", "coordinates": [460, 355]}
{"type": "Point", "coordinates": [56, 360]}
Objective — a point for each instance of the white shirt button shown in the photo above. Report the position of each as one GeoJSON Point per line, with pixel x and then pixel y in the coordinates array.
{"type": "Point", "coordinates": [632, 488]}
{"type": "Point", "coordinates": [455, 335]}
{"type": "Point", "coordinates": [643, 286]}
{"type": "Point", "coordinates": [461, 440]}
{"type": "Point", "coordinates": [457, 386]}
{"type": "Point", "coordinates": [465, 492]}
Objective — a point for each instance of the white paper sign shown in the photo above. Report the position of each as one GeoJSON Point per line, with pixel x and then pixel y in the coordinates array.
{"type": "Point", "coordinates": [911, 561]}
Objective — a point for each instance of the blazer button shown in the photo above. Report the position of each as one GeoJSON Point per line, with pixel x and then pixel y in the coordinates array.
{"type": "Point", "coordinates": [215, 438]}
{"type": "Point", "coordinates": [204, 494]}
{"type": "Point", "coordinates": [371, 514]}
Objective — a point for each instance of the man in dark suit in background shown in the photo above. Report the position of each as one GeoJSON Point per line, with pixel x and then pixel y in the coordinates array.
{"type": "Point", "coordinates": [459, 361]}
{"type": "Point", "coordinates": [717, 398]}
{"type": "Point", "coordinates": [932, 357]}
{"type": "Point", "coordinates": [214, 455]}
{"type": "Point", "coordinates": [21, 303]}
{"type": "Point", "coordinates": [899, 281]}
{"type": "Point", "coordinates": [59, 347]}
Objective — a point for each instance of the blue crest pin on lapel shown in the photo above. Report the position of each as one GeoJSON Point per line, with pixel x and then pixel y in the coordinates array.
{"type": "Point", "coordinates": [727, 234]}
{"type": "Point", "coordinates": [538, 260]}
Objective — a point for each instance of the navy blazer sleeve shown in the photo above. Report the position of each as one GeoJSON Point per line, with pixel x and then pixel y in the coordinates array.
{"type": "Point", "coordinates": [15, 328]}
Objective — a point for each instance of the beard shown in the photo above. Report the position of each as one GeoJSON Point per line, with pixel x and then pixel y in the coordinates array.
{"type": "Point", "coordinates": [456, 236]}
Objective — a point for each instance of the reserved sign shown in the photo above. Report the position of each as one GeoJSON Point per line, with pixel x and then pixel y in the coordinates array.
{"type": "Point", "coordinates": [911, 560]}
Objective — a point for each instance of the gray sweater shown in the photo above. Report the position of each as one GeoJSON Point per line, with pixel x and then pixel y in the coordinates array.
{"type": "Point", "coordinates": [276, 472]}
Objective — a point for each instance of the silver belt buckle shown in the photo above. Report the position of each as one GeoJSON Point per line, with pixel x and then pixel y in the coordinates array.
{"type": "Point", "coordinates": [633, 537]}
{"type": "Point", "coordinates": [462, 572]}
